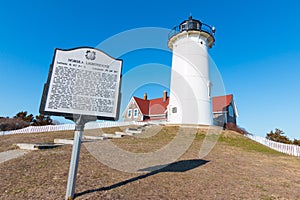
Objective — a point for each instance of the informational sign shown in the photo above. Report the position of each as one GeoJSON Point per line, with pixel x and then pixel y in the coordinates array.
{"type": "Point", "coordinates": [82, 81]}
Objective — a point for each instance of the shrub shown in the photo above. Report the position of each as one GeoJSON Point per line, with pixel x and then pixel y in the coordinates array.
{"type": "Point", "coordinates": [296, 142]}
{"type": "Point", "coordinates": [234, 127]}
{"type": "Point", "coordinates": [8, 124]}
{"type": "Point", "coordinates": [22, 120]}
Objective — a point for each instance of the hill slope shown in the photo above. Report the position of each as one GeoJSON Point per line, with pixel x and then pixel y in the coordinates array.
{"type": "Point", "coordinates": [237, 168]}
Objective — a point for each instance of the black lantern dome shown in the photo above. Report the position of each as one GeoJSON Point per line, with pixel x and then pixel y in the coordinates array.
{"type": "Point", "coordinates": [190, 24]}
{"type": "Point", "coordinates": [193, 25]}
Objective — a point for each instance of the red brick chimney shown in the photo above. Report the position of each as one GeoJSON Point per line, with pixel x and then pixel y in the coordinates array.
{"type": "Point", "coordinates": [145, 96]}
{"type": "Point", "coordinates": [165, 96]}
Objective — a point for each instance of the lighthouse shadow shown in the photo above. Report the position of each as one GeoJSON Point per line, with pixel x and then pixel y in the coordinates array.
{"type": "Point", "coordinates": [179, 166]}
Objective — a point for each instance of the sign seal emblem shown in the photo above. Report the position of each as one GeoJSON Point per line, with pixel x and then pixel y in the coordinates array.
{"type": "Point", "coordinates": [90, 55]}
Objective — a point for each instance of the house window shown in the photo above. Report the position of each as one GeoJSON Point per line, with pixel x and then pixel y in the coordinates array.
{"type": "Point", "coordinates": [135, 113]}
{"type": "Point", "coordinates": [174, 110]}
{"type": "Point", "coordinates": [129, 113]}
{"type": "Point", "coordinates": [230, 111]}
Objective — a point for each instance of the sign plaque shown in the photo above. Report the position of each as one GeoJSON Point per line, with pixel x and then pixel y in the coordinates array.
{"type": "Point", "coordinates": [83, 85]}
{"type": "Point", "coordinates": [82, 81]}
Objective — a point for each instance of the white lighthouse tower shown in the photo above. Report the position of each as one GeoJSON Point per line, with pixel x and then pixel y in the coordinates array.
{"type": "Point", "coordinates": [190, 100]}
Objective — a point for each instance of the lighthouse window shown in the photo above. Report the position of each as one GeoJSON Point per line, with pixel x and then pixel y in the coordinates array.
{"type": "Point", "coordinates": [193, 25]}
{"type": "Point", "coordinates": [209, 89]}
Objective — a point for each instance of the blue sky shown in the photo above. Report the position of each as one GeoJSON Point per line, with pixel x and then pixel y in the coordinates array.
{"type": "Point", "coordinates": [257, 49]}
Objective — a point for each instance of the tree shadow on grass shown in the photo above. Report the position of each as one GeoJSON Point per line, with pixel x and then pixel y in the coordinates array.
{"type": "Point", "coordinates": [179, 166]}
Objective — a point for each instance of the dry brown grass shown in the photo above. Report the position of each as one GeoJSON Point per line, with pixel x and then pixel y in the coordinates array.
{"type": "Point", "coordinates": [7, 141]}
{"type": "Point", "coordinates": [230, 171]}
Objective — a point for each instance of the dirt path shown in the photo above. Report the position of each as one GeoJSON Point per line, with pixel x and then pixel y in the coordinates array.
{"type": "Point", "coordinates": [11, 154]}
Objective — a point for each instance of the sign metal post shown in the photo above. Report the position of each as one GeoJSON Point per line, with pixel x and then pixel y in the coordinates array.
{"type": "Point", "coordinates": [79, 128]}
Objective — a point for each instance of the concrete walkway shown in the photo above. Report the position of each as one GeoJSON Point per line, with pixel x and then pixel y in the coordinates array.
{"type": "Point", "coordinates": [8, 155]}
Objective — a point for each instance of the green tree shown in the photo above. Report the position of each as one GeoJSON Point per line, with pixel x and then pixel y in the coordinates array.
{"type": "Point", "coordinates": [23, 115]}
{"type": "Point", "coordinates": [278, 136]}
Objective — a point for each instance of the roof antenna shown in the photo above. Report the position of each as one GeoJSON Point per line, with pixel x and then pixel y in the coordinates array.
{"type": "Point", "coordinates": [190, 17]}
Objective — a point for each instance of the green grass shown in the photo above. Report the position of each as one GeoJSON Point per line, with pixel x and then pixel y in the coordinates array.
{"type": "Point", "coordinates": [200, 135]}
{"type": "Point", "coordinates": [246, 144]}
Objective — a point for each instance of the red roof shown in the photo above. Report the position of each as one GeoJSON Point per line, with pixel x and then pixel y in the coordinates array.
{"type": "Point", "coordinates": [220, 102]}
{"type": "Point", "coordinates": [143, 105]}
{"type": "Point", "coordinates": [153, 106]}
{"type": "Point", "coordinates": [158, 107]}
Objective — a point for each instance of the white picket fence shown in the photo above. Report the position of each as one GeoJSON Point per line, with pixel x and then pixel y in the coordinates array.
{"type": "Point", "coordinates": [290, 149]}
{"type": "Point", "coordinates": [64, 127]}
